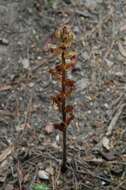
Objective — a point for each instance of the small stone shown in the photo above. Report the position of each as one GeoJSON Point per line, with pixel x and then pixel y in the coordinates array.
{"type": "Point", "coordinates": [76, 29]}
{"type": "Point", "coordinates": [39, 57]}
{"type": "Point", "coordinates": [91, 103]}
{"type": "Point", "coordinates": [103, 183]}
{"type": "Point", "coordinates": [57, 138]}
{"type": "Point", "coordinates": [31, 84]}
{"type": "Point", "coordinates": [89, 111]}
{"type": "Point", "coordinates": [105, 143]}
{"type": "Point", "coordinates": [34, 31]}
{"type": "Point", "coordinates": [29, 10]}
{"type": "Point", "coordinates": [25, 63]}
{"type": "Point", "coordinates": [42, 174]}
{"type": "Point", "coordinates": [4, 41]}
{"type": "Point", "coordinates": [106, 105]}
{"type": "Point", "coordinates": [119, 74]}
{"type": "Point", "coordinates": [19, 43]}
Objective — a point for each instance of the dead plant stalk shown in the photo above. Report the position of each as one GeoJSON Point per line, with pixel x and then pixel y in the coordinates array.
{"type": "Point", "coordinates": [62, 48]}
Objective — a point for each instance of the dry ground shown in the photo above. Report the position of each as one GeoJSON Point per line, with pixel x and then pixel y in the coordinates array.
{"type": "Point", "coordinates": [97, 136]}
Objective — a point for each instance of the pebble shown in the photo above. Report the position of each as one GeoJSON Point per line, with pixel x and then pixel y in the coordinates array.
{"type": "Point", "coordinates": [4, 41]}
{"type": "Point", "coordinates": [105, 143]}
{"type": "Point", "coordinates": [89, 111]}
{"type": "Point", "coordinates": [19, 43]}
{"type": "Point", "coordinates": [106, 105]}
{"type": "Point", "coordinates": [42, 174]}
{"type": "Point", "coordinates": [25, 63]}
{"type": "Point", "coordinates": [57, 138]}
{"type": "Point", "coordinates": [76, 29]}
{"type": "Point", "coordinates": [39, 58]}
{"type": "Point", "coordinates": [31, 84]}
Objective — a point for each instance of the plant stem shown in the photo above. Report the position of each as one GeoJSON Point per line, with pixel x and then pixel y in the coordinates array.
{"type": "Point", "coordinates": [63, 169]}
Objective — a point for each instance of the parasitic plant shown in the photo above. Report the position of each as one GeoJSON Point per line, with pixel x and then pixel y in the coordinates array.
{"type": "Point", "coordinates": [64, 38]}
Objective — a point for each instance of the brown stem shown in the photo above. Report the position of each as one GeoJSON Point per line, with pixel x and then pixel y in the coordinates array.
{"type": "Point", "coordinates": [63, 169]}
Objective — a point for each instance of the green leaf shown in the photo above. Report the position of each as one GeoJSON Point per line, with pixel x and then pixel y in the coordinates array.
{"type": "Point", "coordinates": [40, 187]}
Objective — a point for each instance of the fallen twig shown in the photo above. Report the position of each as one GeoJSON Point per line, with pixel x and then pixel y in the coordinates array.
{"type": "Point", "coordinates": [6, 113]}
{"type": "Point", "coordinates": [114, 120]}
{"type": "Point", "coordinates": [4, 87]}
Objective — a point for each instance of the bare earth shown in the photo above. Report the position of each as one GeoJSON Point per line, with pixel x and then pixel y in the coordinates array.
{"type": "Point", "coordinates": [97, 136]}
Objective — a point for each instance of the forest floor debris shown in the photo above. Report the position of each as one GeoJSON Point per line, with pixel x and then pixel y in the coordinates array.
{"type": "Point", "coordinates": [29, 148]}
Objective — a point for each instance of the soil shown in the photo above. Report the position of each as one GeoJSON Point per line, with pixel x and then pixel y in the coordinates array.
{"type": "Point", "coordinates": [96, 154]}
